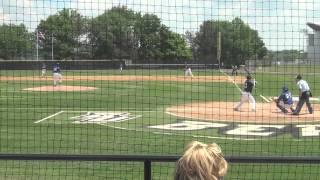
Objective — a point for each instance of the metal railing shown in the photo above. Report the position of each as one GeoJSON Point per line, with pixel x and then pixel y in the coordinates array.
{"type": "Point", "coordinates": [148, 159]}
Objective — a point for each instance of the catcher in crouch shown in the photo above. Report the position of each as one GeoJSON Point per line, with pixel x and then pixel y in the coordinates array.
{"type": "Point", "coordinates": [285, 101]}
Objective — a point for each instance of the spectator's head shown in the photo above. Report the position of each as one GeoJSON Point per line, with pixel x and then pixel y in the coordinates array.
{"type": "Point", "coordinates": [201, 162]}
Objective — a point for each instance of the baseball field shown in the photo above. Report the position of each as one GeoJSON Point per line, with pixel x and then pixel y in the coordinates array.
{"type": "Point", "coordinates": [152, 112]}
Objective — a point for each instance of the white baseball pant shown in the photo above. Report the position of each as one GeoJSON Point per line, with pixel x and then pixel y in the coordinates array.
{"type": "Point", "coordinates": [245, 97]}
{"type": "Point", "coordinates": [57, 78]}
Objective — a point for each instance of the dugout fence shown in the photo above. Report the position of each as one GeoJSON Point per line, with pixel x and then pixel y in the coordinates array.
{"type": "Point", "coordinates": [93, 89]}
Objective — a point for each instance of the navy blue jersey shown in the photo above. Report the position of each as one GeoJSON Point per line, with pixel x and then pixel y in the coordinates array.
{"type": "Point", "coordinates": [56, 68]}
{"type": "Point", "coordinates": [286, 98]}
{"type": "Point", "coordinates": [248, 86]}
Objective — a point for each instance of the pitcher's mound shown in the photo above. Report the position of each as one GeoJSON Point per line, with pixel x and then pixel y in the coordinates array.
{"type": "Point", "coordinates": [266, 113]}
{"type": "Point", "coordinates": [61, 88]}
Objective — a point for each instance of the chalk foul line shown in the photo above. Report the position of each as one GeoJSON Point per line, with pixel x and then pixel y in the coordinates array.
{"type": "Point", "coordinates": [49, 117]}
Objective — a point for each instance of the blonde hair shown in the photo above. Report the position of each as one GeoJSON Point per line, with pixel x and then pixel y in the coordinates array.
{"type": "Point", "coordinates": [201, 162]}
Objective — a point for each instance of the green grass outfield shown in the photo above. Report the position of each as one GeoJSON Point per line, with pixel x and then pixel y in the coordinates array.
{"type": "Point", "coordinates": [57, 132]}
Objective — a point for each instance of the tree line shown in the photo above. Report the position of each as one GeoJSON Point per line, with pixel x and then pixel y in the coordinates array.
{"type": "Point", "coordinates": [120, 33]}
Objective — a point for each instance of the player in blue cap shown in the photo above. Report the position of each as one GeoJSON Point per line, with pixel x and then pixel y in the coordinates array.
{"type": "Point", "coordinates": [57, 77]}
{"type": "Point", "coordinates": [285, 101]}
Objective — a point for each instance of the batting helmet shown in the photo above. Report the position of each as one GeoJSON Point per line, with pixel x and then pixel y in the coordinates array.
{"type": "Point", "coordinates": [285, 89]}
{"type": "Point", "coordinates": [299, 77]}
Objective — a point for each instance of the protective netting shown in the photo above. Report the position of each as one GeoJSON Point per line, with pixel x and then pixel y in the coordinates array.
{"type": "Point", "coordinates": [100, 77]}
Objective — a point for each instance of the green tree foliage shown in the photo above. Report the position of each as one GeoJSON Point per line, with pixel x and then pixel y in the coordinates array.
{"type": "Point", "coordinates": [66, 27]}
{"type": "Point", "coordinates": [112, 34]}
{"type": "Point", "coordinates": [147, 31]}
{"type": "Point", "coordinates": [121, 33]}
{"type": "Point", "coordinates": [190, 37]}
{"type": "Point", "coordinates": [15, 41]}
{"type": "Point", "coordinates": [173, 47]}
{"type": "Point", "coordinates": [238, 42]}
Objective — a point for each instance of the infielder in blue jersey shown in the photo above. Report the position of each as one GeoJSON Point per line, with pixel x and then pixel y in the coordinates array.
{"type": "Point", "coordinates": [285, 101]}
{"type": "Point", "coordinates": [57, 77]}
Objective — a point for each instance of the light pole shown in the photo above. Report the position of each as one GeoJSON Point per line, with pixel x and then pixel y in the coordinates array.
{"type": "Point", "coordinates": [52, 46]}
{"type": "Point", "coordinates": [219, 48]}
{"type": "Point", "coordinates": [37, 46]}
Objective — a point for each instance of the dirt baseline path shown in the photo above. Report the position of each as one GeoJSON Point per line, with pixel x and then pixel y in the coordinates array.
{"type": "Point", "coordinates": [266, 113]}
{"type": "Point", "coordinates": [237, 79]}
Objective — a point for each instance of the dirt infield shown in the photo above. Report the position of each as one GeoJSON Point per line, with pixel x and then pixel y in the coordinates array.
{"type": "Point", "coordinates": [266, 113]}
{"type": "Point", "coordinates": [237, 79]}
{"type": "Point", "coordinates": [61, 88]}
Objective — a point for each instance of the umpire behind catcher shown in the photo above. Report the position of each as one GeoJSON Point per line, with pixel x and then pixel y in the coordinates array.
{"type": "Point", "coordinates": [304, 94]}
